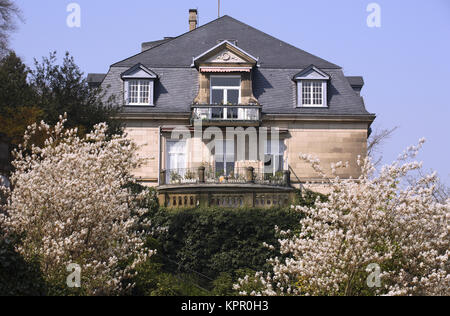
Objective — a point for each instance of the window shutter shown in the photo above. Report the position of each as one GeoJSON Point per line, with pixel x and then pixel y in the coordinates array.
{"type": "Point", "coordinates": [125, 92]}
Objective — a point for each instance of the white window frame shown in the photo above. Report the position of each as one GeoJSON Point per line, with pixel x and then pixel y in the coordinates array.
{"type": "Point", "coordinates": [127, 91]}
{"type": "Point", "coordinates": [223, 153]}
{"type": "Point", "coordinates": [225, 91]}
{"type": "Point", "coordinates": [181, 169]}
{"type": "Point", "coordinates": [300, 93]}
{"type": "Point", "coordinates": [280, 154]}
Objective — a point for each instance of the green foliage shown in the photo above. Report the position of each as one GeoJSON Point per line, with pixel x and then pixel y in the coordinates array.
{"type": "Point", "coordinates": [14, 88]}
{"type": "Point", "coordinates": [18, 277]}
{"type": "Point", "coordinates": [212, 241]}
{"type": "Point", "coordinates": [46, 92]}
{"type": "Point", "coordinates": [17, 109]}
{"type": "Point", "coordinates": [64, 89]}
{"type": "Point", "coordinates": [223, 285]}
{"type": "Point", "coordinates": [306, 197]}
{"type": "Point", "coordinates": [152, 280]}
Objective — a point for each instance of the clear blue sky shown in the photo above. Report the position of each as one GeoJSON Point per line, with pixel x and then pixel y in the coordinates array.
{"type": "Point", "coordinates": [405, 63]}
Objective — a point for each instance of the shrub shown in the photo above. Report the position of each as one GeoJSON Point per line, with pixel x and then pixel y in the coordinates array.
{"type": "Point", "coordinates": [213, 240]}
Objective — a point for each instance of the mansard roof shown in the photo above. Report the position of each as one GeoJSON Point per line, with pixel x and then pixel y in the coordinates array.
{"type": "Point", "coordinates": [277, 64]}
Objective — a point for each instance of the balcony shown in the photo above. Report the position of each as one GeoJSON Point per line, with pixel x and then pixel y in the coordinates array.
{"type": "Point", "coordinates": [229, 115]}
{"type": "Point", "coordinates": [242, 187]}
{"type": "Point", "coordinates": [238, 176]}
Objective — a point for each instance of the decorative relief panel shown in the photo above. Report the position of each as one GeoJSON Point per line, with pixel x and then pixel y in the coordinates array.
{"type": "Point", "coordinates": [225, 56]}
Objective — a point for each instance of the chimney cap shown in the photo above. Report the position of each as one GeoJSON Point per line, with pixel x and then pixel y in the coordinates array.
{"type": "Point", "coordinates": [193, 10]}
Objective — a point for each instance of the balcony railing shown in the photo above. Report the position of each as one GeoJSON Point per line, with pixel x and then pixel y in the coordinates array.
{"type": "Point", "coordinates": [204, 175]}
{"type": "Point", "coordinates": [227, 113]}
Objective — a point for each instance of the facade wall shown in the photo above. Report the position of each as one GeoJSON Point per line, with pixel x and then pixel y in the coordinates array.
{"type": "Point", "coordinates": [329, 142]}
{"type": "Point", "coordinates": [146, 137]}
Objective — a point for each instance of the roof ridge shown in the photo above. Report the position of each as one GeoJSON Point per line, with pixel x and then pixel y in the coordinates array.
{"type": "Point", "coordinates": [273, 37]}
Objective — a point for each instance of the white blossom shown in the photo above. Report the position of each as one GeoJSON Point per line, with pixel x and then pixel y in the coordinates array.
{"type": "Point", "coordinates": [374, 219]}
{"type": "Point", "coordinates": [70, 205]}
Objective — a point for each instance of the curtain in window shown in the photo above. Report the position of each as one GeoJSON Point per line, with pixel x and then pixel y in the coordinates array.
{"type": "Point", "coordinates": [273, 158]}
{"type": "Point", "coordinates": [176, 158]}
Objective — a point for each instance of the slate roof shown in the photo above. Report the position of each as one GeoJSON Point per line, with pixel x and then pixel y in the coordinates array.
{"type": "Point", "coordinates": [179, 51]}
{"type": "Point", "coordinates": [94, 80]}
{"type": "Point", "coordinates": [273, 83]}
{"type": "Point", "coordinates": [356, 81]}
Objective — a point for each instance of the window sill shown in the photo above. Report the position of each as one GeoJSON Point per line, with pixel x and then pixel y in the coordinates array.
{"type": "Point", "coordinates": [138, 104]}
{"type": "Point", "coordinates": [313, 106]}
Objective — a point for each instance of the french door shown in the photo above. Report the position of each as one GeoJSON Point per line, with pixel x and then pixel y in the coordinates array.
{"type": "Point", "coordinates": [176, 161]}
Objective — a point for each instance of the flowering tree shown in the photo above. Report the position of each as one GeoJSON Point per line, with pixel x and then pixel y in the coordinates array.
{"type": "Point", "coordinates": [69, 205]}
{"type": "Point", "coordinates": [373, 236]}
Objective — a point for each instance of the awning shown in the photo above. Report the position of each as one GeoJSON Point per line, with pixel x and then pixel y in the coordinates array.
{"type": "Point", "coordinates": [225, 69]}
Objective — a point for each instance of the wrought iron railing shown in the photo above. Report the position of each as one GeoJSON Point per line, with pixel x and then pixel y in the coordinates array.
{"type": "Point", "coordinates": [212, 112]}
{"type": "Point", "coordinates": [209, 175]}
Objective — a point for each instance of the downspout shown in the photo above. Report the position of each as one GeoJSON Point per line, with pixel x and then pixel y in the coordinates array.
{"type": "Point", "coordinates": [159, 156]}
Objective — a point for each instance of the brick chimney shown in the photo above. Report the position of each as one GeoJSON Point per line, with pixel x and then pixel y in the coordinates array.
{"type": "Point", "coordinates": [193, 19]}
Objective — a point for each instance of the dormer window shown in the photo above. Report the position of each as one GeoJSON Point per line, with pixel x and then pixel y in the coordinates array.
{"type": "Point", "coordinates": [139, 83]}
{"type": "Point", "coordinates": [138, 92]}
{"type": "Point", "coordinates": [312, 93]}
{"type": "Point", "coordinates": [312, 88]}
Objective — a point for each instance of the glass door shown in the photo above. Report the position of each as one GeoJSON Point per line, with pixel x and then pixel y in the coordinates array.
{"type": "Point", "coordinates": [176, 161]}
{"type": "Point", "coordinates": [225, 90]}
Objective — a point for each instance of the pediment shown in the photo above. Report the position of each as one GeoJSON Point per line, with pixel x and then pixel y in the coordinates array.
{"type": "Point", "coordinates": [225, 53]}
{"type": "Point", "coordinates": [312, 73]}
{"type": "Point", "coordinates": [225, 56]}
{"type": "Point", "coordinates": [139, 71]}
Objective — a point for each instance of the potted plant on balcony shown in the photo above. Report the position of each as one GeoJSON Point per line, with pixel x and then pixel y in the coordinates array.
{"type": "Point", "coordinates": [190, 176]}
{"type": "Point", "coordinates": [175, 177]}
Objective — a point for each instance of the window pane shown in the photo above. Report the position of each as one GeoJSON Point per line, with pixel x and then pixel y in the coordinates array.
{"type": "Point", "coordinates": [317, 93]}
{"type": "Point", "coordinates": [219, 168]}
{"type": "Point", "coordinates": [278, 163]}
{"type": "Point", "coordinates": [133, 91]}
{"type": "Point", "coordinates": [268, 163]}
{"type": "Point", "coordinates": [306, 92]}
{"type": "Point", "coordinates": [225, 81]}
{"type": "Point", "coordinates": [232, 96]}
{"type": "Point", "coordinates": [230, 168]}
{"type": "Point", "coordinates": [144, 92]}
{"type": "Point", "coordinates": [217, 96]}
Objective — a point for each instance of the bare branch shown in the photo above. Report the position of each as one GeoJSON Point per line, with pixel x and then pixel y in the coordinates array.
{"type": "Point", "coordinates": [376, 141]}
{"type": "Point", "coordinates": [9, 14]}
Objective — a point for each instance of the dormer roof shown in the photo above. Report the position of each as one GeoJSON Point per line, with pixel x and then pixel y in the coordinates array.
{"type": "Point", "coordinates": [139, 71]}
{"type": "Point", "coordinates": [312, 73]}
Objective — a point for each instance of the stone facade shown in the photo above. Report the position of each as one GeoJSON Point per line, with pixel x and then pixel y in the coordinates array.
{"type": "Point", "coordinates": [329, 142]}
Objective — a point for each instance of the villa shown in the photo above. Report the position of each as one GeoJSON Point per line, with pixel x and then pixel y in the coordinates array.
{"type": "Point", "coordinates": [224, 112]}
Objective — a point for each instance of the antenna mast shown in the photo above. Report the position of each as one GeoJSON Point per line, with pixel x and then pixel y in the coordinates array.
{"type": "Point", "coordinates": [218, 9]}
